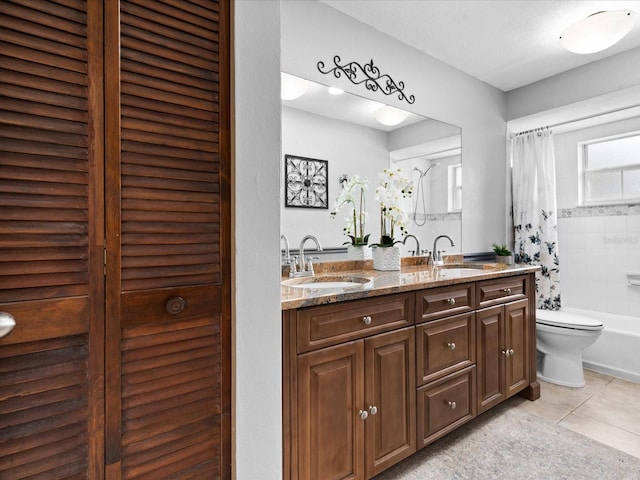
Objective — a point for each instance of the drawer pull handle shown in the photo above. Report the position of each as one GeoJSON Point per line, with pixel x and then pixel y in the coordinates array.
{"type": "Point", "coordinates": [452, 405]}
{"type": "Point", "coordinates": [363, 414]}
{"type": "Point", "coordinates": [507, 290]}
{"type": "Point", "coordinates": [175, 305]}
{"type": "Point", "coordinates": [451, 301]}
{"type": "Point", "coordinates": [373, 409]}
{"type": "Point", "coordinates": [366, 320]}
{"type": "Point", "coordinates": [451, 345]}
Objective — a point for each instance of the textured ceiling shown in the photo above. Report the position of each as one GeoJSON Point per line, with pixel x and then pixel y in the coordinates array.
{"type": "Point", "coordinates": [505, 43]}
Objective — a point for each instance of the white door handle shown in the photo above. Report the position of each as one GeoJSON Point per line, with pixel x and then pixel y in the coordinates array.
{"type": "Point", "coordinates": [7, 322]}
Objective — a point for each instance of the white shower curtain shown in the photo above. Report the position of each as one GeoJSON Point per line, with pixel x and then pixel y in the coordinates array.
{"type": "Point", "coordinates": [535, 213]}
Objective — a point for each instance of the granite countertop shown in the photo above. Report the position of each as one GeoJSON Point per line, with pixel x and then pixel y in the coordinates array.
{"type": "Point", "coordinates": [367, 282]}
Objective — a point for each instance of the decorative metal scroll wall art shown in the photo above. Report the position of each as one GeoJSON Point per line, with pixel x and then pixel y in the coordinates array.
{"type": "Point", "coordinates": [306, 182]}
{"type": "Point", "coordinates": [368, 74]}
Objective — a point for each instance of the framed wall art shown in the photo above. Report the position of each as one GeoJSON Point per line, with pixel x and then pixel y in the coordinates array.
{"type": "Point", "coordinates": [305, 182]}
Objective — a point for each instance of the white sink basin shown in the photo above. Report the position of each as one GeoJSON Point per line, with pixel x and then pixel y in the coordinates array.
{"type": "Point", "coordinates": [337, 282]}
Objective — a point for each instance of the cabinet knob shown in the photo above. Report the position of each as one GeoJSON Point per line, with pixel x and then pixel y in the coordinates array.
{"type": "Point", "coordinates": [451, 301]}
{"type": "Point", "coordinates": [175, 305]}
{"type": "Point", "coordinates": [363, 414]}
{"type": "Point", "coordinates": [451, 345]}
{"type": "Point", "coordinates": [366, 320]}
{"type": "Point", "coordinates": [507, 290]}
{"type": "Point", "coordinates": [373, 409]}
{"type": "Point", "coordinates": [452, 405]}
{"type": "Point", "coordinates": [511, 352]}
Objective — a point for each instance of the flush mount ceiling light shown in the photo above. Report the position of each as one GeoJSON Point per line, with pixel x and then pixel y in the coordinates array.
{"type": "Point", "coordinates": [390, 115]}
{"type": "Point", "coordinates": [598, 31]}
{"type": "Point", "coordinates": [335, 91]}
{"type": "Point", "coordinates": [292, 87]}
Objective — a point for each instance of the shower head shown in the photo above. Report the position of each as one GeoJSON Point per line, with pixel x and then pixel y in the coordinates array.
{"type": "Point", "coordinates": [422, 174]}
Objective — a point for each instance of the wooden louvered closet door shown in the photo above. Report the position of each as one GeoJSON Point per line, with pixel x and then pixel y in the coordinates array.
{"type": "Point", "coordinates": [167, 156]}
{"type": "Point", "coordinates": [114, 239]}
{"type": "Point", "coordinates": [51, 240]}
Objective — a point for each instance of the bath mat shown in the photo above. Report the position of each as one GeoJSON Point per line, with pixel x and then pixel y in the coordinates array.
{"type": "Point", "coordinates": [507, 443]}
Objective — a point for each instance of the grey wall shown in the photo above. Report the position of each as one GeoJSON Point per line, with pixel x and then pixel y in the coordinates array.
{"type": "Point", "coordinates": [606, 79]}
{"type": "Point", "coordinates": [257, 367]}
{"type": "Point", "coordinates": [312, 32]}
{"type": "Point", "coordinates": [350, 149]}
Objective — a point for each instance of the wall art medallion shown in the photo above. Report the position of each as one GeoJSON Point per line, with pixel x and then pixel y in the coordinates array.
{"type": "Point", "coordinates": [306, 182]}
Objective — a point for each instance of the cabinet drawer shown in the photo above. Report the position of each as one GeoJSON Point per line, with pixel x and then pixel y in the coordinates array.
{"type": "Point", "coordinates": [444, 346]}
{"type": "Point", "coordinates": [445, 404]}
{"type": "Point", "coordinates": [340, 322]}
{"type": "Point", "coordinates": [502, 290]}
{"type": "Point", "coordinates": [444, 301]}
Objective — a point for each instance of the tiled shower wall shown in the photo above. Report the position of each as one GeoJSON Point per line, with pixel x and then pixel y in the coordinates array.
{"type": "Point", "coordinates": [598, 245]}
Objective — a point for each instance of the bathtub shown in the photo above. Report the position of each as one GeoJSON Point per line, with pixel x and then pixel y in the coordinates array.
{"type": "Point", "coordinates": [617, 350]}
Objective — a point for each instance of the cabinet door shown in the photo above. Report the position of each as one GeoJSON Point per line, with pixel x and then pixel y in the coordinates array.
{"type": "Point", "coordinates": [330, 402]}
{"type": "Point", "coordinates": [390, 429]}
{"type": "Point", "coordinates": [168, 239]}
{"type": "Point", "coordinates": [517, 341]}
{"type": "Point", "coordinates": [51, 240]}
{"type": "Point", "coordinates": [491, 365]}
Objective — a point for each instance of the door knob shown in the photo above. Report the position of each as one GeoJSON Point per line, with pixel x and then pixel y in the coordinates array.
{"type": "Point", "coordinates": [7, 322]}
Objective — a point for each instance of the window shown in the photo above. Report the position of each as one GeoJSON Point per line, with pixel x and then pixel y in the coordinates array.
{"type": "Point", "coordinates": [610, 170]}
{"type": "Point", "coordinates": [455, 188]}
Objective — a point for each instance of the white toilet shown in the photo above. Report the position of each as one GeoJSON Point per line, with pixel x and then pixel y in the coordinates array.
{"type": "Point", "coordinates": [561, 337]}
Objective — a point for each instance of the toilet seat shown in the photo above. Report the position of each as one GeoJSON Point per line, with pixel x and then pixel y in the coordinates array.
{"type": "Point", "coordinates": [564, 319]}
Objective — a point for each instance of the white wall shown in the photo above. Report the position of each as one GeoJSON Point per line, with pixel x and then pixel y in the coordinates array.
{"type": "Point", "coordinates": [597, 245]}
{"type": "Point", "coordinates": [313, 32]}
{"type": "Point", "coordinates": [350, 149]}
{"type": "Point", "coordinates": [257, 329]}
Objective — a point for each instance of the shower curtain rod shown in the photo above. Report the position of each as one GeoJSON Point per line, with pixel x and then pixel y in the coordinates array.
{"type": "Point", "coordinates": [575, 120]}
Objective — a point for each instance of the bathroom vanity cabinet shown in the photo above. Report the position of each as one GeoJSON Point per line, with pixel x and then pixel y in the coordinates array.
{"type": "Point", "coordinates": [355, 374]}
{"type": "Point", "coordinates": [369, 381]}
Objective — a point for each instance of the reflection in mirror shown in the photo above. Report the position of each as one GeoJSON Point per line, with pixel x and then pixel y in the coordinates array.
{"type": "Point", "coordinates": [342, 129]}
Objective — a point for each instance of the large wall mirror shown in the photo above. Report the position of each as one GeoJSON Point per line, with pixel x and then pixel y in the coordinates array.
{"type": "Point", "coordinates": [342, 130]}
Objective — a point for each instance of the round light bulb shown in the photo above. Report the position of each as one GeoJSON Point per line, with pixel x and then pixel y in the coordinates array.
{"type": "Point", "coordinates": [390, 116]}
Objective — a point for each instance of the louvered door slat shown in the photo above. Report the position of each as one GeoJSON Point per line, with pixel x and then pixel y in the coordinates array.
{"type": "Point", "coordinates": [50, 229]}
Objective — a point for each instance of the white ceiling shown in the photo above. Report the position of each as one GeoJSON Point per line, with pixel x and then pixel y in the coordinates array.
{"type": "Point", "coordinates": [505, 43]}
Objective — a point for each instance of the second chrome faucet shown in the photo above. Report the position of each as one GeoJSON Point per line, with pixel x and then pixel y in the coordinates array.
{"type": "Point", "coordinates": [436, 254]}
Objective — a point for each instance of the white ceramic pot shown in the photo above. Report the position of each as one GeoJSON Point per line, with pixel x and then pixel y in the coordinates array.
{"type": "Point", "coordinates": [359, 252]}
{"type": "Point", "coordinates": [386, 258]}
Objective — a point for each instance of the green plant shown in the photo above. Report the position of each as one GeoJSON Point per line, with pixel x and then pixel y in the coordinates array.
{"type": "Point", "coordinates": [501, 250]}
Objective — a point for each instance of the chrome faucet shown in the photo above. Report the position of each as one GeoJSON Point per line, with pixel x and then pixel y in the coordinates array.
{"type": "Point", "coordinates": [305, 269]}
{"type": "Point", "coordinates": [417, 251]}
{"type": "Point", "coordinates": [436, 255]}
{"type": "Point", "coordinates": [286, 259]}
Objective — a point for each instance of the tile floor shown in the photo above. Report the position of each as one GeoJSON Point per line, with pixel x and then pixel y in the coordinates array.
{"type": "Point", "coordinates": [606, 409]}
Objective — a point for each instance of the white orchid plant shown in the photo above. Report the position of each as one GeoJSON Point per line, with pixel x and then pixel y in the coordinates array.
{"type": "Point", "coordinates": [392, 188]}
{"type": "Point", "coordinates": [352, 194]}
